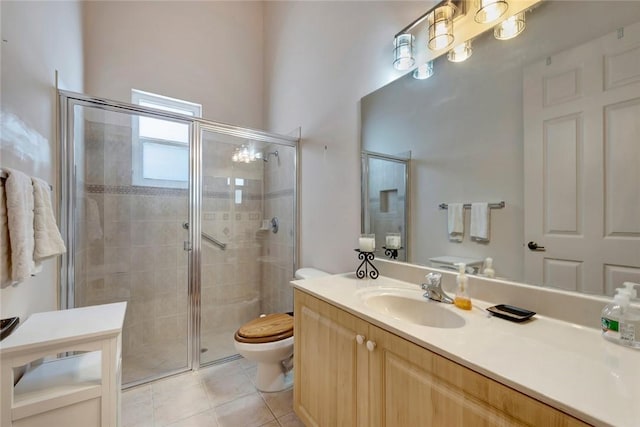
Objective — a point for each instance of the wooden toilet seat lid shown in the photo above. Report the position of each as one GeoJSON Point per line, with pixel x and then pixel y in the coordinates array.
{"type": "Point", "coordinates": [270, 328]}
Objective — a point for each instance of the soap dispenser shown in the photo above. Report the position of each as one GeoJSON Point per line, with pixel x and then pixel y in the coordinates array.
{"type": "Point", "coordinates": [630, 321]}
{"type": "Point", "coordinates": [630, 288]}
{"type": "Point", "coordinates": [613, 314]}
{"type": "Point", "coordinates": [462, 299]}
{"type": "Point", "coordinates": [488, 268]}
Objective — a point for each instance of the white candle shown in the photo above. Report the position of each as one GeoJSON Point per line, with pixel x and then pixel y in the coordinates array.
{"type": "Point", "coordinates": [392, 242]}
{"type": "Point", "coordinates": [367, 244]}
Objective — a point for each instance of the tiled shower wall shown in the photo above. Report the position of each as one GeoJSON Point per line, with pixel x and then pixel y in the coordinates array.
{"type": "Point", "coordinates": [278, 248]}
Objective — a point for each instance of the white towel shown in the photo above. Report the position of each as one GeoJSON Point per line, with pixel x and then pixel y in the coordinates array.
{"type": "Point", "coordinates": [48, 241]}
{"type": "Point", "coordinates": [19, 196]}
{"type": "Point", "coordinates": [94, 227]}
{"type": "Point", "coordinates": [480, 222]}
{"type": "Point", "coordinates": [5, 249]}
{"type": "Point", "coordinates": [456, 221]}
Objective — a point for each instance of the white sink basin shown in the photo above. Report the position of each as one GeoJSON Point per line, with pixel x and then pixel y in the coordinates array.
{"type": "Point", "coordinates": [411, 306]}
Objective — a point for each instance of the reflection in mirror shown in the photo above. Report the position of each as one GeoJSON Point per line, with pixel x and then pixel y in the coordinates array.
{"type": "Point", "coordinates": [546, 122]}
{"type": "Point", "coordinates": [384, 214]}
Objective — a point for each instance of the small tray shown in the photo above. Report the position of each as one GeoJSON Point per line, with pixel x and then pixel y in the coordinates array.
{"type": "Point", "coordinates": [7, 325]}
{"type": "Point", "coordinates": [509, 312]}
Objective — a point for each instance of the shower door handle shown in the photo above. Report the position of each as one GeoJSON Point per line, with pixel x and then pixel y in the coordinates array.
{"type": "Point", "coordinates": [186, 245]}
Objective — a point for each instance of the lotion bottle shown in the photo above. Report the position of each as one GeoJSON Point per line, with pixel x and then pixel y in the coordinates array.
{"type": "Point", "coordinates": [462, 299]}
{"type": "Point", "coordinates": [488, 268]}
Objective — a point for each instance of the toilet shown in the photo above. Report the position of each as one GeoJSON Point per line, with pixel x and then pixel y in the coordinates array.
{"type": "Point", "coordinates": [268, 341]}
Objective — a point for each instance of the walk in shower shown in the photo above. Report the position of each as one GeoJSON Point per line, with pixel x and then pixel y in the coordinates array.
{"type": "Point", "coordinates": [195, 227]}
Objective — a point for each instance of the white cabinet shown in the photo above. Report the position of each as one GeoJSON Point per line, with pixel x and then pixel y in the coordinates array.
{"type": "Point", "coordinates": [81, 389]}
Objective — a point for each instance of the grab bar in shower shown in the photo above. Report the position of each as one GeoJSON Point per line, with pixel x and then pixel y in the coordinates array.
{"type": "Point", "coordinates": [208, 237]}
{"type": "Point", "coordinates": [213, 240]}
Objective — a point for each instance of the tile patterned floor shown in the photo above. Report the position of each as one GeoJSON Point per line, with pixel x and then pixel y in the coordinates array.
{"type": "Point", "coordinates": [154, 359]}
{"type": "Point", "coordinates": [218, 396]}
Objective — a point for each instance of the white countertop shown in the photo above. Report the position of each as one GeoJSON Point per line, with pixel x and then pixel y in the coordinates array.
{"type": "Point", "coordinates": [55, 327]}
{"type": "Point", "coordinates": [567, 366]}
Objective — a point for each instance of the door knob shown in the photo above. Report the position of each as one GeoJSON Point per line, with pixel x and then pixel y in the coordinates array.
{"type": "Point", "coordinates": [360, 339]}
{"type": "Point", "coordinates": [535, 247]}
{"type": "Point", "coordinates": [371, 345]}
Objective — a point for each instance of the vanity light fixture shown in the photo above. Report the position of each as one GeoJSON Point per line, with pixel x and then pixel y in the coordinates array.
{"type": "Point", "coordinates": [245, 154]}
{"type": "Point", "coordinates": [490, 10]}
{"type": "Point", "coordinates": [441, 26]}
{"type": "Point", "coordinates": [403, 51]}
{"type": "Point", "coordinates": [460, 52]}
{"type": "Point", "coordinates": [439, 29]}
{"type": "Point", "coordinates": [423, 71]}
{"type": "Point", "coordinates": [510, 27]}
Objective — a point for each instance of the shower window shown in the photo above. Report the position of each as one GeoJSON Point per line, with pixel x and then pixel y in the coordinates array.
{"type": "Point", "coordinates": [160, 147]}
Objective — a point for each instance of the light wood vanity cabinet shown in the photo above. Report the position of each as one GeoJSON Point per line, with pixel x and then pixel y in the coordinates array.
{"type": "Point", "coordinates": [332, 389]}
{"type": "Point", "coordinates": [387, 381]}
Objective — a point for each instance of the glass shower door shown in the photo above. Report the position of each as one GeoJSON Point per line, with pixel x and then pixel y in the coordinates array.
{"type": "Point", "coordinates": [247, 236]}
{"type": "Point", "coordinates": [129, 199]}
{"type": "Point", "coordinates": [231, 214]}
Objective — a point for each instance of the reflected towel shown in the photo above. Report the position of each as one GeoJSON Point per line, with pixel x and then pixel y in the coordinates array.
{"type": "Point", "coordinates": [480, 222]}
{"type": "Point", "coordinates": [94, 227]}
{"type": "Point", "coordinates": [456, 221]}
{"type": "Point", "coordinates": [19, 196]}
{"type": "Point", "coordinates": [5, 249]}
{"type": "Point", "coordinates": [48, 241]}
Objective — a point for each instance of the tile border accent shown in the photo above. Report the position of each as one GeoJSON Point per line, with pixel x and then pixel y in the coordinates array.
{"type": "Point", "coordinates": [136, 190]}
{"type": "Point", "coordinates": [279, 193]}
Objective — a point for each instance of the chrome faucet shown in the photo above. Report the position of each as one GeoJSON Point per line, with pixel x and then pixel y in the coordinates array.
{"type": "Point", "coordinates": [434, 288]}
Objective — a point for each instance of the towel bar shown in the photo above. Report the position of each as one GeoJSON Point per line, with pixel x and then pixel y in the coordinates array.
{"type": "Point", "coordinates": [499, 205]}
{"type": "Point", "coordinates": [4, 175]}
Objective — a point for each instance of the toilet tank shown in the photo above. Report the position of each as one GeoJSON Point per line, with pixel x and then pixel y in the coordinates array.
{"type": "Point", "coordinates": [474, 265]}
{"type": "Point", "coordinates": [310, 273]}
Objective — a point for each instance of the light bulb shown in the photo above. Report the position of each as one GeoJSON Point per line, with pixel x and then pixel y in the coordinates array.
{"type": "Point", "coordinates": [403, 57]}
{"type": "Point", "coordinates": [461, 52]}
{"type": "Point", "coordinates": [510, 27]}
{"type": "Point", "coordinates": [441, 27]}
{"type": "Point", "coordinates": [424, 71]}
{"type": "Point", "coordinates": [490, 10]}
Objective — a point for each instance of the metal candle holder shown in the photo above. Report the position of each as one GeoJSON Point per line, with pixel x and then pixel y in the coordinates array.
{"type": "Point", "coordinates": [363, 269]}
{"type": "Point", "coordinates": [392, 253]}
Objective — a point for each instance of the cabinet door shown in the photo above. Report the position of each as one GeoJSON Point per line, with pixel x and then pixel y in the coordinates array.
{"type": "Point", "coordinates": [330, 381]}
{"type": "Point", "coordinates": [411, 386]}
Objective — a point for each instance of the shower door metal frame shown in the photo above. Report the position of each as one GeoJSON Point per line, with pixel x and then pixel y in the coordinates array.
{"type": "Point", "coordinates": [196, 254]}
{"type": "Point", "coordinates": [66, 183]}
{"type": "Point", "coordinates": [365, 212]}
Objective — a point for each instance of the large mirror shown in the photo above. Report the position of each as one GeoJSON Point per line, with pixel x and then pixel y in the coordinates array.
{"type": "Point", "coordinates": [549, 123]}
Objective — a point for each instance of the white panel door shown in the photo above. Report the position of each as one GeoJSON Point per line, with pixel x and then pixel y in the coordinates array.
{"type": "Point", "coordinates": [582, 165]}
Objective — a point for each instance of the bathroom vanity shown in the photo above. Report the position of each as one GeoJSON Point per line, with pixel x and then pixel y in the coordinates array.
{"type": "Point", "coordinates": [80, 389]}
{"type": "Point", "coordinates": [365, 355]}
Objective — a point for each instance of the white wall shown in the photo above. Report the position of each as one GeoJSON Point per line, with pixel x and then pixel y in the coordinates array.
{"type": "Point", "coordinates": [320, 59]}
{"type": "Point", "coordinates": [207, 52]}
{"type": "Point", "coordinates": [38, 38]}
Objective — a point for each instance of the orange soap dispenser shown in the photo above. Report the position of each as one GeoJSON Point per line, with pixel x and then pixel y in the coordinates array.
{"type": "Point", "coordinates": [462, 299]}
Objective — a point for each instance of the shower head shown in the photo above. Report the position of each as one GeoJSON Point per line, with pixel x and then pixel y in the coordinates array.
{"type": "Point", "coordinates": [272, 153]}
